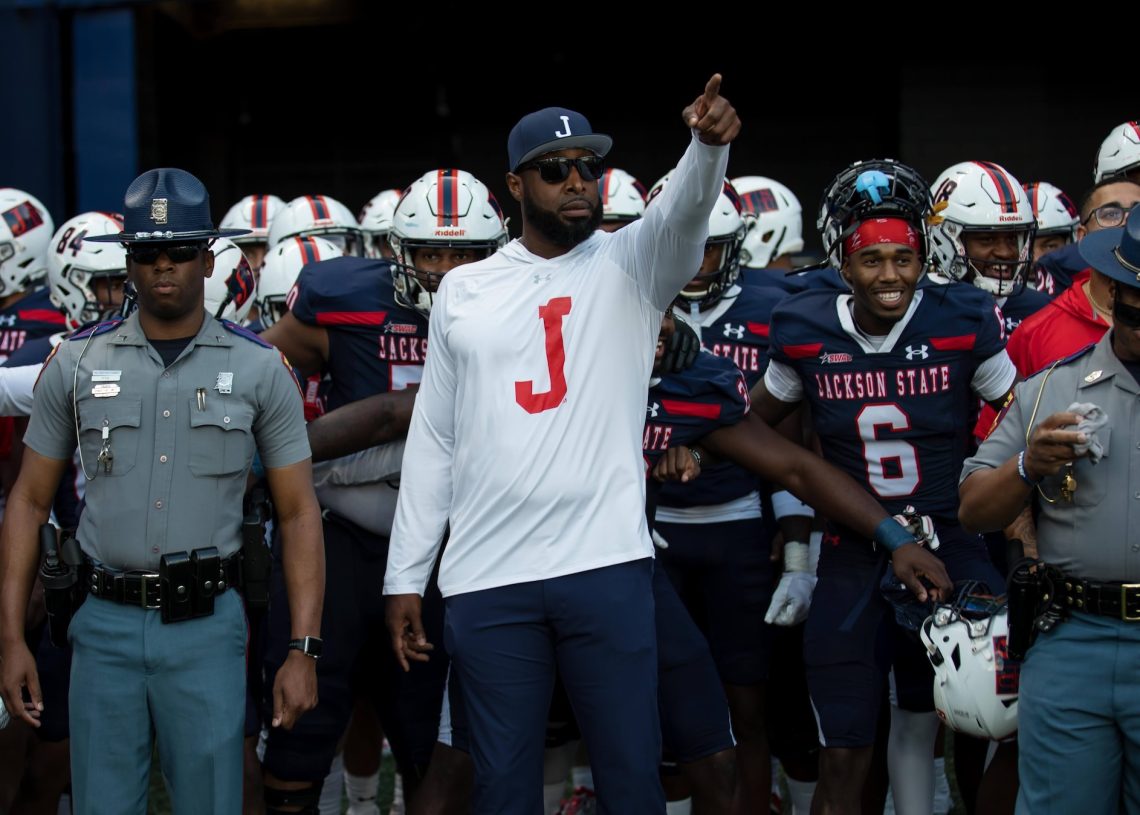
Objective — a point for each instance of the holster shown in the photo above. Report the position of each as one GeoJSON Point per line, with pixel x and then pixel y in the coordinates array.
{"type": "Point", "coordinates": [60, 579]}
{"type": "Point", "coordinates": [256, 561]}
{"type": "Point", "coordinates": [1034, 603]}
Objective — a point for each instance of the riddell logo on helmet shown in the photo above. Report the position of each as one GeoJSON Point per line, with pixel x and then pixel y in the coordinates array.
{"type": "Point", "coordinates": [450, 233]}
{"type": "Point", "coordinates": [1004, 218]}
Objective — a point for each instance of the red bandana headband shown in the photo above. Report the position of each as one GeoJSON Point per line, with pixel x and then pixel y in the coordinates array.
{"type": "Point", "coordinates": [881, 230]}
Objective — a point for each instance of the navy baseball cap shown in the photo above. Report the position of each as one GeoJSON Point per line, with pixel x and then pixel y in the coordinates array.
{"type": "Point", "coordinates": [551, 129]}
{"type": "Point", "coordinates": [1115, 253]}
{"type": "Point", "coordinates": [165, 205]}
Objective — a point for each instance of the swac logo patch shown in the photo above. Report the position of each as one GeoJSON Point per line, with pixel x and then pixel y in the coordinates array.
{"type": "Point", "coordinates": [922, 351]}
{"type": "Point", "coordinates": [834, 359]}
{"type": "Point", "coordinates": [399, 328]}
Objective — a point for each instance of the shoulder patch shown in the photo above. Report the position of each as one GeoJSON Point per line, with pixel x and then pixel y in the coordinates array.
{"type": "Point", "coordinates": [98, 328]}
{"type": "Point", "coordinates": [1064, 360]}
{"type": "Point", "coordinates": [241, 331]}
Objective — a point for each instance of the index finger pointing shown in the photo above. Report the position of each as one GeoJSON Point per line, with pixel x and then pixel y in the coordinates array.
{"type": "Point", "coordinates": [712, 88]}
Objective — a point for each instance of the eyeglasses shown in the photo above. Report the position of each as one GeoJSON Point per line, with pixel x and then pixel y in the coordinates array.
{"type": "Point", "coordinates": [1108, 215]}
{"type": "Point", "coordinates": [557, 169]}
{"type": "Point", "coordinates": [147, 254]}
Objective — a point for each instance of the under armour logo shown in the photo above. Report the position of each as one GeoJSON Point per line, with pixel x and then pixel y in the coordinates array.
{"type": "Point", "coordinates": [652, 410]}
{"type": "Point", "coordinates": [1010, 324]}
{"type": "Point", "coordinates": [920, 352]}
{"type": "Point", "coordinates": [565, 124]}
{"type": "Point", "coordinates": [541, 278]}
{"type": "Point", "coordinates": [8, 320]}
{"type": "Point", "coordinates": [734, 331]}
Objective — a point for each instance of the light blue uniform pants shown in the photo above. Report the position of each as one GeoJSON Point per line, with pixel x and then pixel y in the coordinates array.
{"type": "Point", "coordinates": [1079, 719]}
{"type": "Point", "coordinates": [135, 681]}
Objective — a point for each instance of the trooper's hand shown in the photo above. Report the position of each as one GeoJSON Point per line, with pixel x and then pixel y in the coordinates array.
{"type": "Point", "coordinates": [712, 116]}
{"type": "Point", "coordinates": [406, 629]}
{"type": "Point", "coordinates": [1051, 445]}
{"type": "Point", "coordinates": [294, 689]}
{"type": "Point", "coordinates": [913, 564]}
{"type": "Point", "coordinates": [17, 672]}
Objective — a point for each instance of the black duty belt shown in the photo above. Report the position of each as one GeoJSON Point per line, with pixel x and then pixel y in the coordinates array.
{"type": "Point", "coordinates": [145, 589]}
{"type": "Point", "coordinates": [1120, 601]}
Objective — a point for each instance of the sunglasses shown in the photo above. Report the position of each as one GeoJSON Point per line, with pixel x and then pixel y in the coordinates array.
{"type": "Point", "coordinates": [557, 169]}
{"type": "Point", "coordinates": [147, 254]}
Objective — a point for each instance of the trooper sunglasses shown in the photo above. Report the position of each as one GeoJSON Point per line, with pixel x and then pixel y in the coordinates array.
{"type": "Point", "coordinates": [557, 169]}
{"type": "Point", "coordinates": [147, 254]}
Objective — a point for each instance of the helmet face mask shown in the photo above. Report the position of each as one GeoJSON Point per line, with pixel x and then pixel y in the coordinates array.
{"type": "Point", "coordinates": [975, 197]}
{"type": "Point", "coordinates": [877, 188]}
{"type": "Point", "coordinates": [442, 209]}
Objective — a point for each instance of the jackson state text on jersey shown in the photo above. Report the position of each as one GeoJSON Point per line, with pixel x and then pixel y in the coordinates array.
{"type": "Point", "coordinates": [737, 328]}
{"type": "Point", "coordinates": [897, 420]}
{"type": "Point", "coordinates": [375, 345]}
{"type": "Point", "coordinates": [684, 408]}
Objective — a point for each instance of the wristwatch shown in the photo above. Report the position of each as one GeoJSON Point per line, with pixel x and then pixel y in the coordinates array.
{"type": "Point", "coordinates": [309, 646]}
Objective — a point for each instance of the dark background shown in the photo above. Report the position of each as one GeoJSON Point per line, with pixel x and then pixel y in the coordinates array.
{"type": "Point", "coordinates": [349, 97]}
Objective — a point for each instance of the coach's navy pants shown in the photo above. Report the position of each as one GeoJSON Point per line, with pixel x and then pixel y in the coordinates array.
{"type": "Point", "coordinates": [597, 627]}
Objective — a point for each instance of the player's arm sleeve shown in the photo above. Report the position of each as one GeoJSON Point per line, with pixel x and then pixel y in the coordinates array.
{"type": "Point", "coordinates": [424, 504]}
{"type": "Point", "coordinates": [994, 378]}
{"type": "Point", "coordinates": [51, 429]}
{"type": "Point", "coordinates": [663, 250]}
{"type": "Point", "coordinates": [302, 297]}
{"type": "Point", "coordinates": [783, 382]}
{"type": "Point", "coordinates": [280, 424]}
{"type": "Point", "coordinates": [16, 389]}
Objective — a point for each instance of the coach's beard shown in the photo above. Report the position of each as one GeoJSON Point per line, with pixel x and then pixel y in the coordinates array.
{"type": "Point", "coordinates": [558, 232]}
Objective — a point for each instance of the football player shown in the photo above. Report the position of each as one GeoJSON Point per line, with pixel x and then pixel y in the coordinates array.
{"type": "Point", "coordinates": [255, 213]}
{"type": "Point", "coordinates": [1057, 217]}
{"type": "Point", "coordinates": [320, 215]}
{"type": "Point", "coordinates": [890, 371]}
{"type": "Point", "coordinates": [376, 223]}
{"type": "Point", "coordinates": [623, 199]}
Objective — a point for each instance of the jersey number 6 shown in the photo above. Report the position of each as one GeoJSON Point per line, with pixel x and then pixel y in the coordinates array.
{"type": "Point", "coordinates": [878, 452]}
{"type": "Point", "coordinates": [551, 315]}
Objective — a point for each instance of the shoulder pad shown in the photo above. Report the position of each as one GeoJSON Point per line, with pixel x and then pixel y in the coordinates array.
{"type": "Point", "coordinates": [1064, 360]}
{"type": "Point", "coordinates": [98, 328]}
{"type": "Point", "coordinates": [241, 331]}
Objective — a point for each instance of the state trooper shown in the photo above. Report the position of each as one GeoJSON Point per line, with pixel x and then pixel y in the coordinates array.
{"type": "Point", "coordinates": [1069, 444]}
{"type": "Point", "coordinates": [168, 408]}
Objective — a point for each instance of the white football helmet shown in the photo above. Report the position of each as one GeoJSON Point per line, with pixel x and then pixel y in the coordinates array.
{"type": "Point", "coordinates": [230, 289]}
{"type": "Point", "coordinates": [73, 263]}
{"type": "Point", "coordinates": [1055, 212]}
{"type": "Point", "coordinates": [25, 231]}
{"type": "Point", "coordinates": [726, 228]}
{"type": "Point", "coordinates": [1119, 152]}
{"type": "Point", "coordinates": [318, 215]}
{"type": "Point", "coordinates": [443, 208]}
{"type": "Point", "coordinates": [282, 266]}
{"type": "Point", "coordinates": [623, 196]}
{"type": "Point", "coordinates": [777, 224]}
{"type": "Point", "coordinates": [255, 213]}
{"type": "Point", "coordinates": [975, 682]}
{"type": "Point", "coordinates": [980, 196]}
{"type": "Point", "coordinates": [376, 221]}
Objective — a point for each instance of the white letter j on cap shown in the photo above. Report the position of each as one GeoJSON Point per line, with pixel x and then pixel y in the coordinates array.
{"type": "Point", "coordinates": [565, 124]}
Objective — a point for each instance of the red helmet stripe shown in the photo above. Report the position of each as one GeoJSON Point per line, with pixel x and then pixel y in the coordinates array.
{"type": "Point", "coordinates": [1135, 128]}
{"type": "Point", "coordinates": [309, 250]}
{"type": "Point", "coordinates": [606, 176]}
{"type": "Point", "coordinates": [1006, 198]}
{"type": "Point", "coordinates": [257, 217]}
{"type": "Point", "coordinates": [319, 207]}
{"type": "Point", "coordinates": [447, 198]}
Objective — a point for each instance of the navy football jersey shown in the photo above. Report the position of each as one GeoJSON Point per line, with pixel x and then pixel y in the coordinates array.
{"type": "Point", "coordinates": [32, 352]}
{"type": "Point", "coordinates": [30, 317]}
{"type": "Point", "coordinates": [898, 419]}
{"type": "Point", "coordinates": [375, 345]}
{"type": "Point", "coordinates": [1019, 306]}
{"type": "Point", "coordinates": [1055, 271]}
{"type": "Point", "coordinates": [685, 407]}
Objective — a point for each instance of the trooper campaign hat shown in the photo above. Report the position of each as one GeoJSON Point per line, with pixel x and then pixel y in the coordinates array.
{"type": "Point", "coordinates": [550, 129]}
{"type": "Point", "coordinates": [164, 205]}
{"type": "Point", "coordinates": [1115, 253]}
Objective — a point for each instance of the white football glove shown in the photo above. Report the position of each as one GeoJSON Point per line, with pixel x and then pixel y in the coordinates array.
{"type": "Point", "coordinates": [792, 599]}
{"type": "Point", "coordinates": [921, 526]}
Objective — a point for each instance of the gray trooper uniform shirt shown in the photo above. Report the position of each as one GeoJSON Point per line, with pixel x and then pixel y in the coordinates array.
{"type": "Point", "coordinates": [1097, 535]}
{"type": "Point", "coordinates": [182, 438]}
